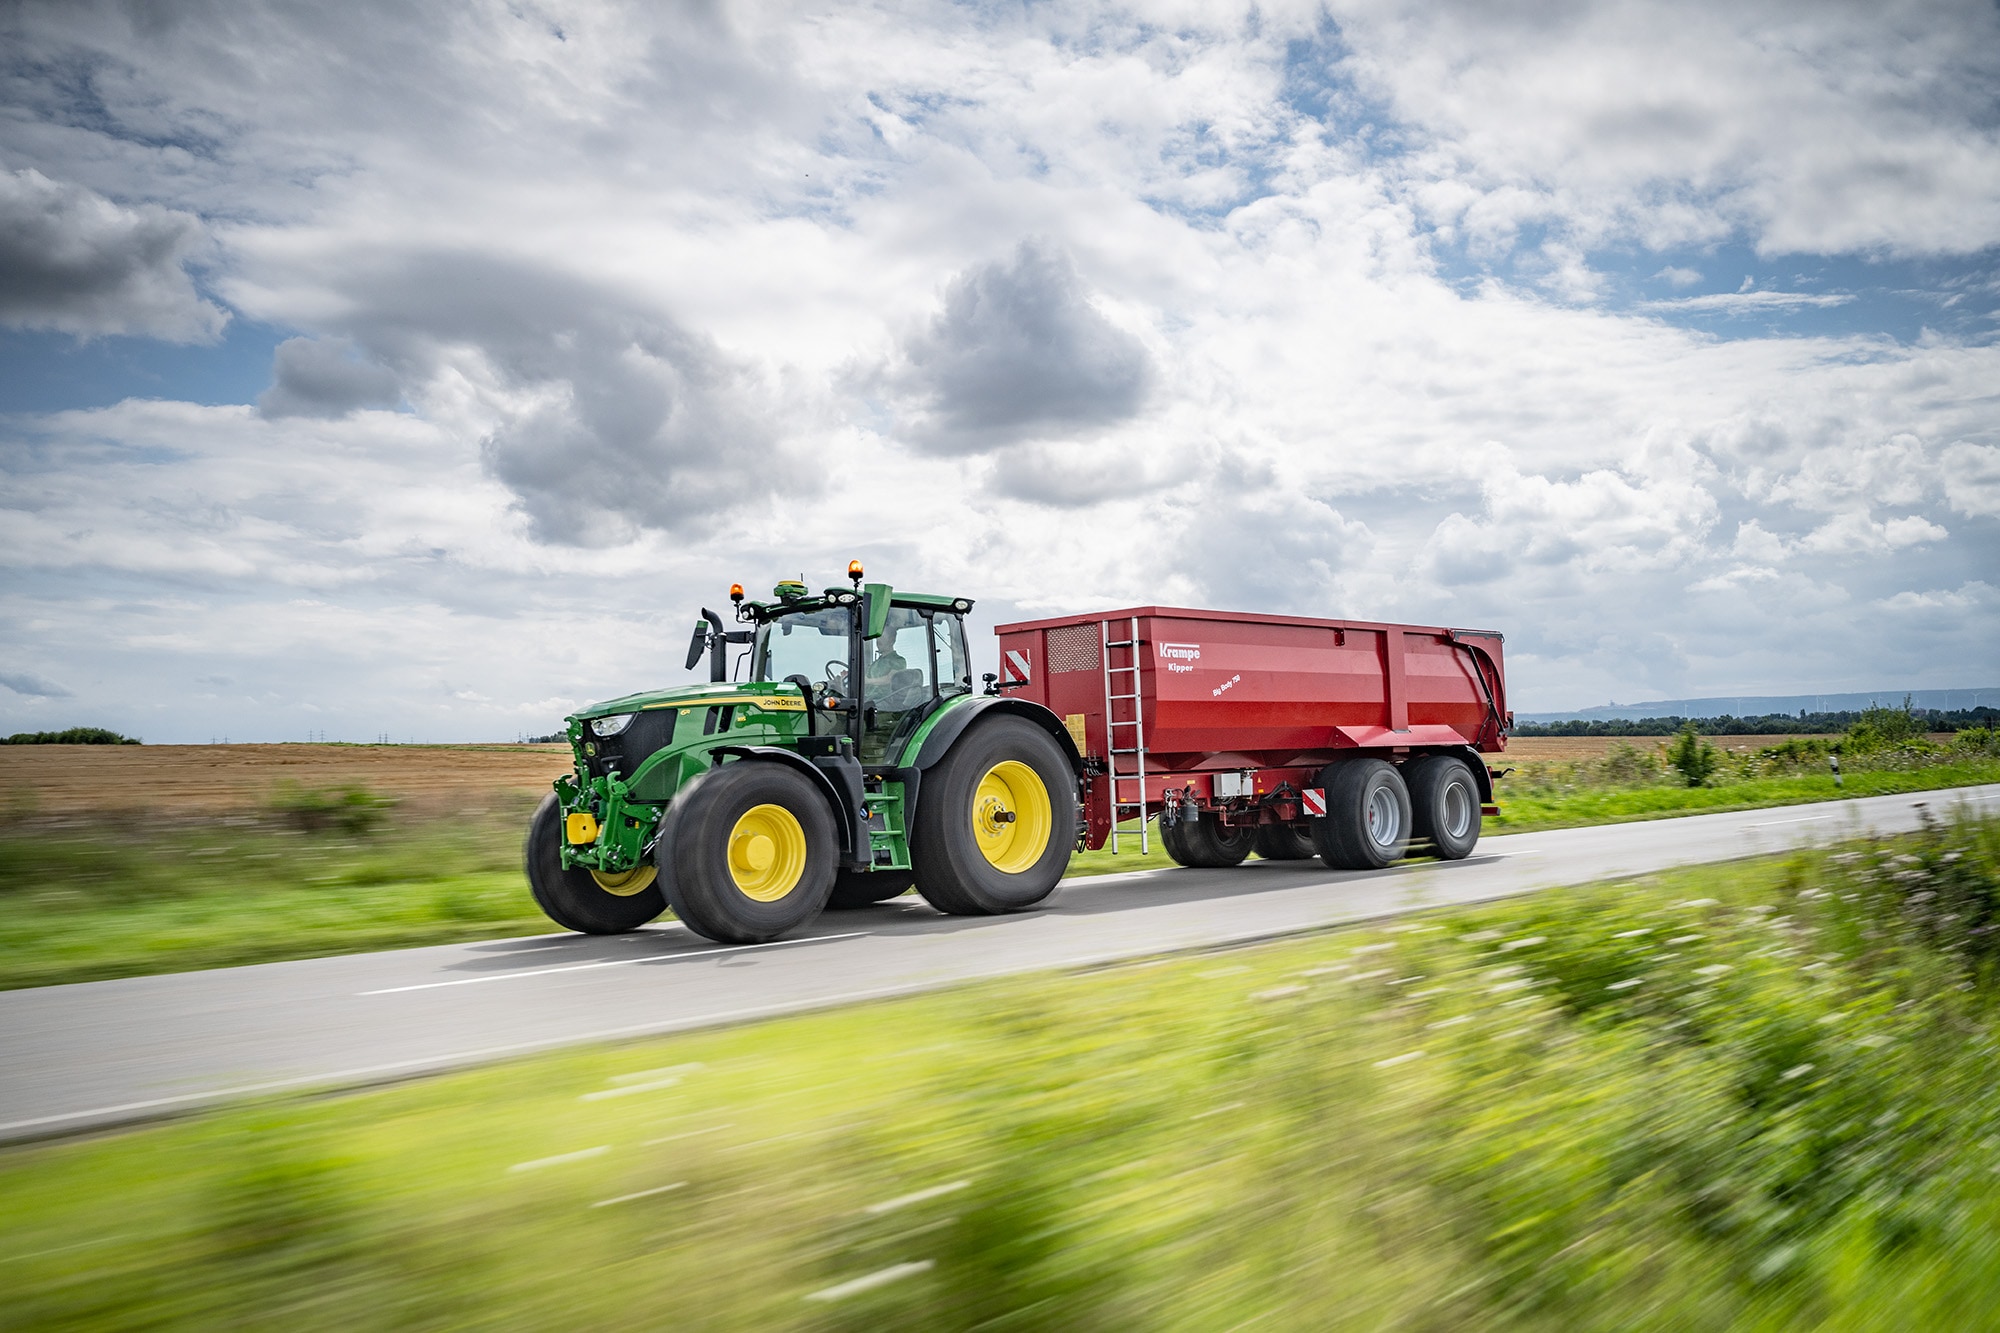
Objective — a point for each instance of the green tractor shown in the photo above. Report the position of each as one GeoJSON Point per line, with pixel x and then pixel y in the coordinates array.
{"type": "Point", "coordinates": [855, 761]}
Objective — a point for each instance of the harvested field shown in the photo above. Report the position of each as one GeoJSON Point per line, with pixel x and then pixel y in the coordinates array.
{"type": "Point", "coordinates": [1596, 747]}
{"type": "Point", "coordinates": [240, 779]}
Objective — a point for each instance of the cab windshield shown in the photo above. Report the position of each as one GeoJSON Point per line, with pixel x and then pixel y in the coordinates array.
{"type": "Point", "coordinates": [812, 644]}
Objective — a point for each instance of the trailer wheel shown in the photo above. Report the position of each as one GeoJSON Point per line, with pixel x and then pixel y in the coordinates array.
{"type": "Point", "coordinates": [1203, 842]}
{"type": "Point", "coordinates": [865, 888]}
{"type": "Point", "coordinates": [1367, 823]}
{"type": "Point", "coordinates": [579, 899]}
{"type": "Point", "coordinates": [752, 852]}
{"type": "Point", "coordinates": [1285, 842]}
{"type": "Point", "coordinates": [1444, 805]}
{"type": "Point", "coordinates": [996, 820]}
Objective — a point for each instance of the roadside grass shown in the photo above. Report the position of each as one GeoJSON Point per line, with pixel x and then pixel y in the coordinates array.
{"type": "Point", "coordinates": [1757, 1095]}
{"type": "Point", "coordinates": [85, 902]}
{"type": "Point", "coordinates": [1551, 795]}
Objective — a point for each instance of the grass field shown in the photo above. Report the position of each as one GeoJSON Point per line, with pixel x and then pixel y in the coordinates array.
{"type": "Point", "coordinates": [1760, 1095]}
{"type": "Point", "coordinates": [129, 860]}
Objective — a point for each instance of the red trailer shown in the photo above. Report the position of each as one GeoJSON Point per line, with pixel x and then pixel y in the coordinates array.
{"type": "Point", "coordinates": [1285, 735]}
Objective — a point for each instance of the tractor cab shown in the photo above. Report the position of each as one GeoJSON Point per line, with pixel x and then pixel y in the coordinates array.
{"type": "Point", "coordinates": [875, 667]}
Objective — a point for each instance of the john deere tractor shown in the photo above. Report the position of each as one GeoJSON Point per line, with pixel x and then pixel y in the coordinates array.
{"type": "Point", "coordinates": [854, 761]}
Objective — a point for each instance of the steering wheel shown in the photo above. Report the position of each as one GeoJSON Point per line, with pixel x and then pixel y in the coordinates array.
{"type": "Point", "coordinates": [836, 676]}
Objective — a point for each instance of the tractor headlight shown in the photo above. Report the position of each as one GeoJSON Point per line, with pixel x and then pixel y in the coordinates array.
{"type": "Point", "coordinates": [611, 726]}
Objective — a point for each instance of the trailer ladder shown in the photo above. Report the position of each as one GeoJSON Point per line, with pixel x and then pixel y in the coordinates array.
{"type": "Point", "coordinates": [1136, 723]}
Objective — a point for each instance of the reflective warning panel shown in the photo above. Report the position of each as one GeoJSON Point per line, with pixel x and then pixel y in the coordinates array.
{"type": "Point", "coordinates": [1014, 665]}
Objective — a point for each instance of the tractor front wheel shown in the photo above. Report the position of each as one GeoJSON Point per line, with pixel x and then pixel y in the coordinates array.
{"type": "Point", "coordinates": [996, 820]}
{"type": "Point", "coordinates": [579, 899]}
{"type": "Point", "coordinates": [749, 852]}
{"type": "Point", "coordinates": [1204, 842]}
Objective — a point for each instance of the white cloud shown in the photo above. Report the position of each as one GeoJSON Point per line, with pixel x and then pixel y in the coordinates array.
{"type": "Point", "coordinates": [1736, 303]}
{"type": "Point", "coordinates": [665, 298]}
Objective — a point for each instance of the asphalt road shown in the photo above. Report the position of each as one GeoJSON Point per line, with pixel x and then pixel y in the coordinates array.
{"type": "Point", "coordinates": [107, 1052]}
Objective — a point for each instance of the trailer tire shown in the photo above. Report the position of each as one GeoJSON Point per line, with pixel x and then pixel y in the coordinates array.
{"type": "Point", "coordinates": [865, 888]}
{"type": "Point", "coordinates": [1367, 823]}
{"type": "Point", "coordinates": [574, 898]}
{"type": "Point", "coordinates": [1285, 842]}
{"type": "Point", "coordinates": [1444, 805]}
{"type": "Point", "coordinates": [752, 852]}
{"type": "Point", "coordinates": [996, 820]}
{"type": "Point", "coordinates": [1203, 842]}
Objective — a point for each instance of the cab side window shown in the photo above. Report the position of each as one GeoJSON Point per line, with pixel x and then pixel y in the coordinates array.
{"type": "Point", "coordinates": [898, 679]}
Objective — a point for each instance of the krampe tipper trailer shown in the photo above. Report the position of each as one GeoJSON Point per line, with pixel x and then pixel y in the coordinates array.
{"type": "Point", "coordinates": [856, 759]}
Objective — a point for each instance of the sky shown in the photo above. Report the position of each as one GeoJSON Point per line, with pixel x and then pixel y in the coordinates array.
{"type": "Point", "coordinates": [418, 370]}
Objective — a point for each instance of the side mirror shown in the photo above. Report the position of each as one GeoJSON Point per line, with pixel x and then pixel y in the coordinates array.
{"type": "Point", "coordinates": [709, 635]}
{"type": "Point", "coordinates": [875, 610]}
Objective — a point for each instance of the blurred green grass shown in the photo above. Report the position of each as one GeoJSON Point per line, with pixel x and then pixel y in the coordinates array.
{"type": "Point", "coordinates": [1758, 1095]}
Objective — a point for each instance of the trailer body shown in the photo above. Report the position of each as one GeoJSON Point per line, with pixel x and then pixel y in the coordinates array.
{"type": "Point", "coordinates": [1242, 716]}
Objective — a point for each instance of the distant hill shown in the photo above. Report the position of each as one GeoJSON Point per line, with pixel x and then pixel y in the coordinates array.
{"type": "Point", "coordinates": [1764, 704]}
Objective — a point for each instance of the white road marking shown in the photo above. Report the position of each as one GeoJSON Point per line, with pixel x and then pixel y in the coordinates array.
{"type": "Point", "coordinates": [615, 962]}
{"type": "Point", "coordinates": [1773, 823]}
{"type": "Point", "coordinates": [560, 1158]}
{"type": "Point", "coordinates": [639, 1194]}
{"type": "Point", "coordinates": [873, 1280]}
{"type": "Point", "coordinates": [904, 1201]}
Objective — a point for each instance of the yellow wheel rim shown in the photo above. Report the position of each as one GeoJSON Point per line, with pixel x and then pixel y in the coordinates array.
{"type": "Point", "coordinates": [626, 882]}
{"type": "Point", "coordinates": [1011, 816]}
{"type": "Point", "coordinates": [767, 853]}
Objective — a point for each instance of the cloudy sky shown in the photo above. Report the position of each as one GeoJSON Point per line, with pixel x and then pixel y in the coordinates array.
{"type": "Point", "coordinates": [420, 369]}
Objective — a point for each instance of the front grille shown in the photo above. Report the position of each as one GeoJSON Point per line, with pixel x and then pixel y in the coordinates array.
{"type": "Point", "coordinates": [649, 731]}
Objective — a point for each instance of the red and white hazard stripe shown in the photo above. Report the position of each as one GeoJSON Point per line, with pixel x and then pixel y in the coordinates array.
{"type": "Point", "coordinates": [1014, 665]}
{"type": "Point", "coordinates": [1314, 800]}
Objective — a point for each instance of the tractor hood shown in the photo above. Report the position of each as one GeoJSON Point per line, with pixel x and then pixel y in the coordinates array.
{"type": "Point", "coordinates": [778, 698]}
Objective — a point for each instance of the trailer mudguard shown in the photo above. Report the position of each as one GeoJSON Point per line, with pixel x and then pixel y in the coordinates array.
{"type": "Point", "coordinates": [953, 724]}
{"type": "Point", "coordinates": [848, 809]}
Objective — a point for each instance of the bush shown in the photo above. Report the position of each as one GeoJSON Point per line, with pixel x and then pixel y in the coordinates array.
{"type": "Point", "coordinates": [1694, 757]}
{"type": "Point", "coordinates": [73, 736]}
{"type": "Point", "coordinates": [1627, 765]}
{"type": "Point", "coordinates": [355, 811]}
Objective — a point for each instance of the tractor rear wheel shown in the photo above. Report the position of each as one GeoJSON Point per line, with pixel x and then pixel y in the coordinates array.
{"type": "Point", "coordinates": [749, 852]}
{"type": "Point", "coordinates": [1367, 823]}
{"type": "Point", "coordinates": [579, 899]}
{"type": "Point", "coordinates": [1204, 843]}
{"type": "Point", "coordinates": [1444, 803]}
{"type": "Point", "coordinates": [996, 820]}
{"type": "Point", "coordinates": [865, 888]}
{"type": "Point", "coordinates": [1285, 842]}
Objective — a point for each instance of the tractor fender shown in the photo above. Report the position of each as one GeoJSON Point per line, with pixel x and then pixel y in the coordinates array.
{"type": "Point", "coordinates": [953, 724]}
{"type": "Point", "coordinates": [847, 813]}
